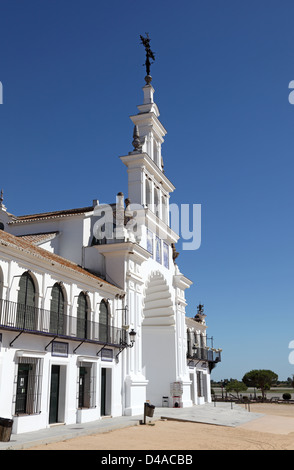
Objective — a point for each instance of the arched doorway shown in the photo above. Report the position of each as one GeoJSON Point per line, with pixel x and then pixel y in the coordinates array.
{"type": "Point", "coordinates": [159, 356]}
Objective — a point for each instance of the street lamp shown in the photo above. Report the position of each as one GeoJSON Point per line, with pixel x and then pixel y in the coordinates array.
{"type": "Point", "coordinates": [132, 334]}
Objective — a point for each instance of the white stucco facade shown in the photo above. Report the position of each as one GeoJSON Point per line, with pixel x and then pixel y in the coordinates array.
{"type": "Point", "coordinates": [52, 262]}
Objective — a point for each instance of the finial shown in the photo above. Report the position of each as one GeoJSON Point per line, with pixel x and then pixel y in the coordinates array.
{"type": "Point", "coordinates": [149, 55]}
{"type": "Point", "coordinates": [1, 201]}
{"type": "Point", "coordinates": [174, 252]}
{"type": "Point", "coordinates": [200, 315]}
{"type": "Point", "coordinates": [136, 139]}
{"type": "Point", "coordinates": [200, 309]}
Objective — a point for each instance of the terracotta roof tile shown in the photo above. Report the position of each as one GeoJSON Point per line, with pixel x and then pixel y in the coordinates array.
{"type": "Point", "coordinates": [38, 238]}
{"type": "Point", "coordinates": [46, 215]}
{"type": "Point", "coordinates": [26, 246]}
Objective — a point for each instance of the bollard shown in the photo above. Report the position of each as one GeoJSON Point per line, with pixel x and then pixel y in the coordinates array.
{"type": "Point", "coordinates": [5, 429]}
{"type": "Point", "coordinates": [148, 411]}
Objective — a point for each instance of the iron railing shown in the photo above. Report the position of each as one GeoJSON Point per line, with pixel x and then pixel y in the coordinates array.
{"type": "Point", "coordinates": [19, 317]}
{"type": "Point", "coordinates": [204, 354]}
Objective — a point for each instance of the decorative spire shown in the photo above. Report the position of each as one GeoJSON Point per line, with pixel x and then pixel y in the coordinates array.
{"type": "Point", "coordinates": [174, 252]}
{"type": "Point", "coordinates": [149, 55]}
{"type": "Point", "coordinates": [136, 139]}
{"type": "Point", "coordinates": [1, 201]}
{"type": "Point", "coordinates": [200, 315]}
{"type": "Point", "coordinates": [200, 309]}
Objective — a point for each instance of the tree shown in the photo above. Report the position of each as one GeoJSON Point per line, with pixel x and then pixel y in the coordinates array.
{"type": "Point", "coordinates": [236, 386]}
{"type": "Point", "coordinates": [261, 378]}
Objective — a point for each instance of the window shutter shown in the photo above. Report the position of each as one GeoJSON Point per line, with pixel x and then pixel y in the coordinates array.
{"type": "Point", "coordinates": [103, 322]}
{"type": "Point", "coordinates": [82, 316]}
{"type": "Point", "coordinates": [57, 310]}
{"type": "Point", "coordinates": [25, 317]}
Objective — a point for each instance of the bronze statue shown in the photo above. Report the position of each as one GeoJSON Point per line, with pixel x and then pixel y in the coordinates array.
{"type": "Point", "coordinates": [200, 309]}
{"type": "Point", "coordinates": [149, 55]}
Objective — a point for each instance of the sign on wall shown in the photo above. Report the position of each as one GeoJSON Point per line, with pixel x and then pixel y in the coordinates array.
{"type": "Point", "coordinates": [107, 355]}
{"type": "Point", "coordinates": [59, 349]}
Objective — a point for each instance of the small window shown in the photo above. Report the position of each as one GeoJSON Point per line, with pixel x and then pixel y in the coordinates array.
{"type": "Point", "coordinates": [1, 226]}
{"type": "Point", "coordinates": [158, 249]}
{"type": "Point", "coordinates": [149, 241]}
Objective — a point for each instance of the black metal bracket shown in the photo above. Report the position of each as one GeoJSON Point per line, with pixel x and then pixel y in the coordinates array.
{"type": "Point", "coordinates": [122, 347]}
{"type": "Point", "coordinates": [74, 351]}
{"type": "Point", "coordinates": [97, 354]}
{"type": "Point", "coordinates": [120, 350]}
{"type": "Point", "coordinates": [193, 363]}
{"type": "Point", "coordinates": [10, 344]}
{"type": "Point", "coordinates": [50, 342]}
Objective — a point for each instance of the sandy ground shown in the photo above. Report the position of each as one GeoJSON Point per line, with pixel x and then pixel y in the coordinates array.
{"type": "Point", "coordinates": [274, 431]}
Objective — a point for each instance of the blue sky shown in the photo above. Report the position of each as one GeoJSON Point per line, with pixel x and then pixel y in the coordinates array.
{"type": "Point", "coordinates": [72, 74]}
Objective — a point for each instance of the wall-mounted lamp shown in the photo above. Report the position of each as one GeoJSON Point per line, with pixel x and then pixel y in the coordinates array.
{"type": "Point", "coordinates": [132, 334]}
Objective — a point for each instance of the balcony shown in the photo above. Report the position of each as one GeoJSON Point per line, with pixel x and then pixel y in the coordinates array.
{"type": "Point", "coordinates": [25, 319]}
{"type": "Point", "coordinates": [205, 354]}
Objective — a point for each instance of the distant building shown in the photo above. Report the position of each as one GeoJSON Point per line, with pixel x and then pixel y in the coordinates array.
{"type": "Point", "coordinates": [92, 309]}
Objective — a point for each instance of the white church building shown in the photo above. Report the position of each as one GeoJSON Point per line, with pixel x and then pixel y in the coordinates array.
{"type": "Point", "coordinates": [92, 303]}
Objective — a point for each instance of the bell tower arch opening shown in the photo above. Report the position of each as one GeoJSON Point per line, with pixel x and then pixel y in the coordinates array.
{"type": "Point", "coordinates": [158, 339]}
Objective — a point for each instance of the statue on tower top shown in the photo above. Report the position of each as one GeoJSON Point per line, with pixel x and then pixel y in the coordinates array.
{"type": "Point", "coordinates": [149, 55]}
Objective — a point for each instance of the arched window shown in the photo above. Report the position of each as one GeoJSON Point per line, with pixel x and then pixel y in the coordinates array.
{"type": "Point", "coordinates": [156, 203]}
{"type": "Point", "coordinates": [26, 311]}
{"type": "Point", "coordinates": [164, 209]}
{"type": "Point", "coordinates": [57, 310]}
{"type": "Point", "coordinates": [82, 316]}
{"type": "Point", "coordinates": [104, 321]}
{"type": "Point", "coordinates": [148, 198]}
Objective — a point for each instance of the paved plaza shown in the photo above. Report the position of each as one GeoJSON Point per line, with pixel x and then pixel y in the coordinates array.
{"type": "Point", "coordinates": [222, 414]}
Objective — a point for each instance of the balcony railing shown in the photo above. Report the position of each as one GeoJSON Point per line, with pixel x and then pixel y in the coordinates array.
{"type": "Point", "coordinates": [19, 317]}
{"type": "Point", "coordinates": [205, 354]}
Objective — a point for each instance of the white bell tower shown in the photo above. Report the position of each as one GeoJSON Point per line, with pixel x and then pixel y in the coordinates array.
{"type": "Point", "coordinates": [147, 183]}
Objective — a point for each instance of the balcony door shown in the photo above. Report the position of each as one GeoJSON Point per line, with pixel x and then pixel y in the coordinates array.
{"type": "Point", "coordinates": [82, 316]}
{"type": "Point", "coordinates": [104, 322]}
{"type": "Point", "coordinates": [57, 310]}
{"type": "Point", "coordinates": [25, 314]}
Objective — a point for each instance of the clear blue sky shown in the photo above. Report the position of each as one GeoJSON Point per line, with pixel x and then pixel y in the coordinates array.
{"type": "Point", "coordinates": [72, 74]}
